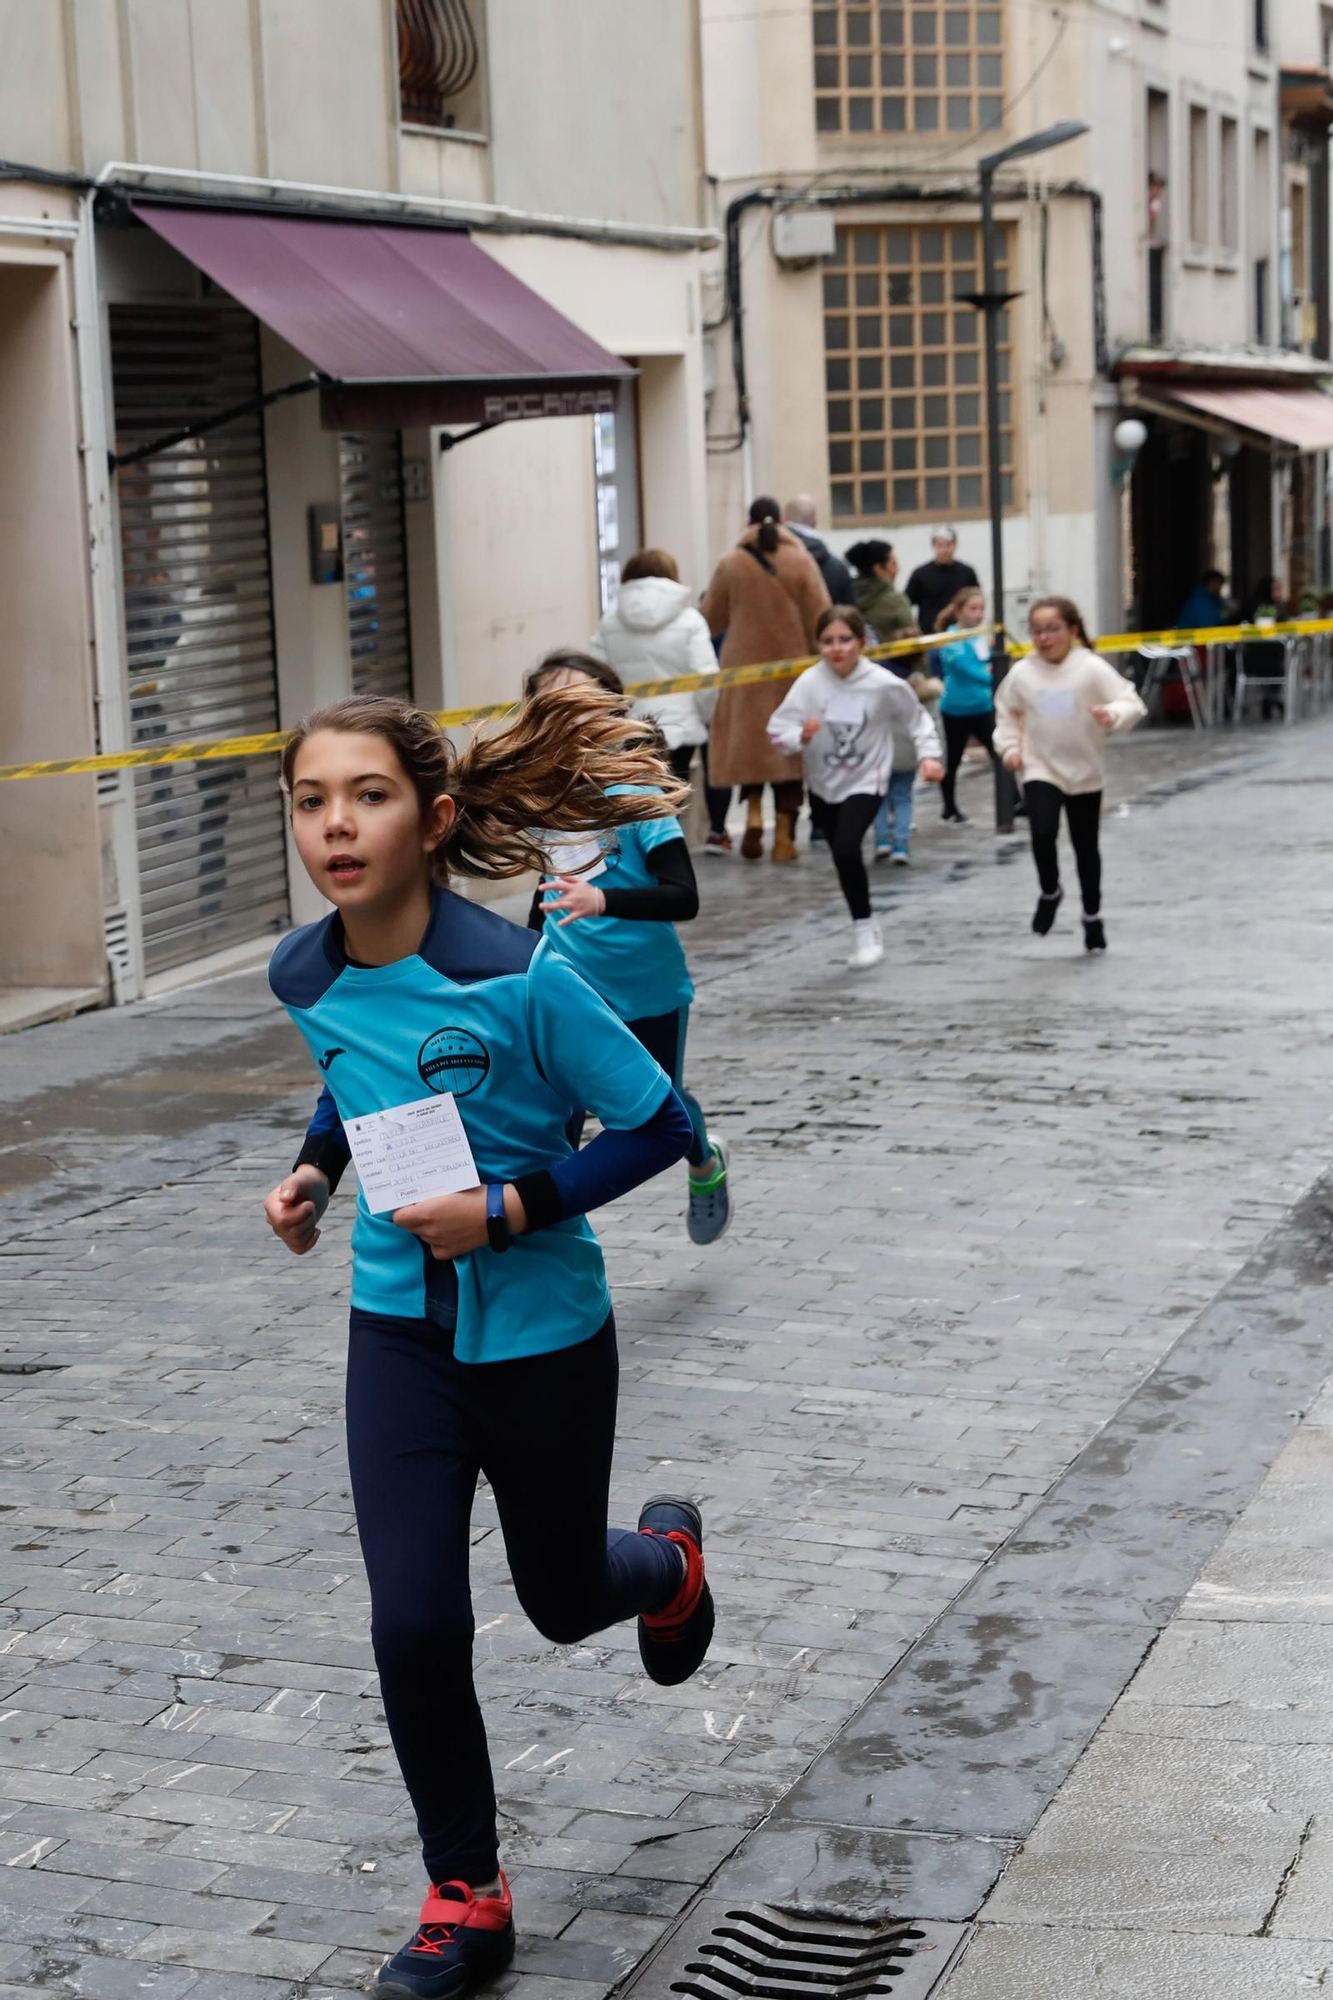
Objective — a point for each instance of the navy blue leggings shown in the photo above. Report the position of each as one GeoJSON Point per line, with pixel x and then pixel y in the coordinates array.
{"type": "Point", "coordinates": [420, 1427]}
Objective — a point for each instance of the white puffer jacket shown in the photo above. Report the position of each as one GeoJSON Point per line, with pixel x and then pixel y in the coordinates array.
{"type": "Point", "coordinates": [655, 634]}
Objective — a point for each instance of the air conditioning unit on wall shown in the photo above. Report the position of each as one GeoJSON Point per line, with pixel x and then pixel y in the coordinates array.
{"type": "Point", "coordinates": [802, 236]}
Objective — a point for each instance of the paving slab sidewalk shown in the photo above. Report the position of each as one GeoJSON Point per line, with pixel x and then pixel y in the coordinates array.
{"type": "Point", "coordinates": [1189, 1856]}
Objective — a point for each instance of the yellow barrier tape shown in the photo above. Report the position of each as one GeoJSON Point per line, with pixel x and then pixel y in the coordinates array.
{"type": "Point", "coordinates": [1212, 635]}
{"type": "Point", "coordinates": [216, 747]}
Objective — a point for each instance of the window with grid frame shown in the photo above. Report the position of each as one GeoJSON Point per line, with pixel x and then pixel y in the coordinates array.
{"type": "Point", "coordinates": [905, 373]}
{"type": "Point", "coordinates": [910, 69]}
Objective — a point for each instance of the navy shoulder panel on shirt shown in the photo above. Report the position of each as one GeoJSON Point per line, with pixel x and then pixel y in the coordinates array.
{"type": "Point", "coordinates": [467, 942]}
{"type": "Point", "coordinates": [306, 963]}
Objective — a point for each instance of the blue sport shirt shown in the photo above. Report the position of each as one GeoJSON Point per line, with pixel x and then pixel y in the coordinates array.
{"type": "Point", "coordinates": [965, 664]}
{"type": "Point", "coordinates": [488, 1012]}
{"type": "Point", "coordinates": [638, 968]}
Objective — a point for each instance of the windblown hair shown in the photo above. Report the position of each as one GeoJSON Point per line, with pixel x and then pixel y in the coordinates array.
{"type": "Point", "coordinates": [547, 769]}
{"type": "Point", "coordinates": [865, 557]}
{"type": "Point", "coordinates": [764, 515]}
{"type": "Point", "coordinates": [568, 660]}
{"type": "Point", "coordinates": [949, 615]}
{"type": "Point", "coordinates": [1067, 610]}
{"type": "Point", "coordinates": [651, 562]}
{"type": "Point", "coordinates": [849, 616]}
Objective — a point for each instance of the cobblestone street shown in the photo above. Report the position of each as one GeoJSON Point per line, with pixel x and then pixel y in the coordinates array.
{"type": "Point", "coordinates": [982, 1191]}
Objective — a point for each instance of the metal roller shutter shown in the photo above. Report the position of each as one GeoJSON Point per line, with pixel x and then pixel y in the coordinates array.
{"type": "Point", "coordinates": [375, 562]}
{"type": "Point", "coordinates": [198, 627]}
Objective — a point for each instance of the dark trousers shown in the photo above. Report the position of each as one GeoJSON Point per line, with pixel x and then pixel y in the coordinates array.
{"type": "Point", "coordinates": [663, 1035]}
{"type": "Point", "coordinates": [959, 731]}
{"type": "Point", "coordinates": [717, 798]}
{"type": "Point", "coordinates": [845, 827]}
{"type": "Point", "coordinates": [420, 1427]}
{"type": "Point", "coordinates": [1083, 813]}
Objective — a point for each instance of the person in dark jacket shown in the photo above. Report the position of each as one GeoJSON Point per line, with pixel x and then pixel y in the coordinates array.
{"type": "Point", "coordinates": [883, 606]}
{"type": "Point", "coordinates": [936, 584]}
{"type": "Point", "coordinates": [799, 515]}
{"type": "Point", "coordinates": [1207, 604]}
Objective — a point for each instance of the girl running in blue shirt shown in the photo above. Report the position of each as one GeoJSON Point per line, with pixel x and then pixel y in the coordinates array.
{"type": "Point", "coordinates": [482, 1338]}
{"type": "Point", "coordinates": [967, 706]}
{"type": "Point", "coordinates": [610, 906]}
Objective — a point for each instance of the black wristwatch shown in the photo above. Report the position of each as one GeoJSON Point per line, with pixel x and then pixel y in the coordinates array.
{"type": "Point", "coordinates": [498, 1232]}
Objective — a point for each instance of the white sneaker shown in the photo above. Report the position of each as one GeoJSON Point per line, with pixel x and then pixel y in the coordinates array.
{"type": "Point", "coordinates": [867, 944]}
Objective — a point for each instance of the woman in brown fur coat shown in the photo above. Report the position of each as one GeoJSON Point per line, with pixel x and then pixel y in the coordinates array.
{"type": "Point", "coordinates": [766, 595]}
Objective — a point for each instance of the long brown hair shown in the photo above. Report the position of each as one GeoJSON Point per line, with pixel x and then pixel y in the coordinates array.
{"type": "Point", "coordinates": [1068, 610]}
{"type": "Point", "coordinates": [956, 603]}
{"type": "Point", "coordinates": [548, 768]}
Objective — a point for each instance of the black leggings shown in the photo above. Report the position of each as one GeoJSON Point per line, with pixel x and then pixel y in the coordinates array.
{"type": "Point", "coordinates": [959, 731]}
{"type": "Point", "coordinates": [663, 1035]}
{"type": "Point", "coordinates": [420, 1427]}
{"type": "Point", "coordinates": [717, 798]}
{"type": "Point", "coordinates": [1083, 812]}
{"type": "Point", "coordinates": [845, 827]}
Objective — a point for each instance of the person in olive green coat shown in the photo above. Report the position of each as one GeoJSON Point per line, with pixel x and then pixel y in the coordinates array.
{"type": "Point", "coordinates": [879, 602]}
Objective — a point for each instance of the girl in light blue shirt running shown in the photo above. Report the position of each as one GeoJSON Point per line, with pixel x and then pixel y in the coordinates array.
{"type": "Point", "coordinates": [610, 906]}
{"type": "Point", "coordinates": [967, 706]}
{"type": "Point", "coordinates": [482, 1339]}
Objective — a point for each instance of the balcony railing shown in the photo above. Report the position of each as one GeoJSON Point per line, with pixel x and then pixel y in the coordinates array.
{"type": "Point", "coordinates": [439, 55]}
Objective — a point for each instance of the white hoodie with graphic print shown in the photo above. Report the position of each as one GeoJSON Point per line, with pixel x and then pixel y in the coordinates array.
{"type": "Point", "coordinates": [853, 751]}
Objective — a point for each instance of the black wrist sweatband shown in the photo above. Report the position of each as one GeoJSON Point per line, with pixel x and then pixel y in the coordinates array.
{"type": "Point", "coordinates": [540, 1198]}
{"type": "Point", "coordinates": [326, 1154]}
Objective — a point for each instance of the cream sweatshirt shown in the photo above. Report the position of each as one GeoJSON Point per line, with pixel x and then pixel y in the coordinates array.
{"type": "Point", "coordinates": [1045, 712]}
{"type": "Point", "coordinates": [853, 751]}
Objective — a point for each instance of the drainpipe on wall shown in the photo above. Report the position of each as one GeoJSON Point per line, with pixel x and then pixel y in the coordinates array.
{"type": "Point", "coordinates": [115, 790]}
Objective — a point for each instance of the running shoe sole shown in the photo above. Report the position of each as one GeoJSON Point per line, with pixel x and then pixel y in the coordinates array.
{"type": "Point", "coordinates": [669, 1662]}
{"type": "Point", "coordinates": [452, 1981]}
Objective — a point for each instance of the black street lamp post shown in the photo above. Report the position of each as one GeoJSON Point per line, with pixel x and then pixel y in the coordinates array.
{"type": "Point", "coordinates": [991, 302]}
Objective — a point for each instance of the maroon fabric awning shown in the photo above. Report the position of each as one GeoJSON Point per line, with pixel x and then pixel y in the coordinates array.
{"type": "Point", "coordinates": [1301, 417]}
{"type": "Point", "coordinates": [411, 326]}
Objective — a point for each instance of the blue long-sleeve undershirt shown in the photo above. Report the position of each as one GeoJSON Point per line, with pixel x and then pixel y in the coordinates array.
{"type": "Point", "coordinates": [608, 1167]}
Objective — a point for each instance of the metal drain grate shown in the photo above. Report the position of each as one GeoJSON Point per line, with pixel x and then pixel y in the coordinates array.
{"type": "Point", "coordinates": [756, 1951]}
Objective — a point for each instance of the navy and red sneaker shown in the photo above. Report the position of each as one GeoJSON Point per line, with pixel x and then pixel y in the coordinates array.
{"type": "Point", "coordinates": [460, 1939]}
{"type": "Point", "coordinates": [674, 1641]}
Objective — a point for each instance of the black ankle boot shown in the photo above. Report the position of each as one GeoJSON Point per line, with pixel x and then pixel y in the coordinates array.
{"type": "Point", "coordinates": [1044, 914]}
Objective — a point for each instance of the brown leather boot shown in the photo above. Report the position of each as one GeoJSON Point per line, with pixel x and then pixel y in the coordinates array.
{"type": "Point", "coordinates": [752, 843]}
{"type": "Point", "coordinates": [784, 837]}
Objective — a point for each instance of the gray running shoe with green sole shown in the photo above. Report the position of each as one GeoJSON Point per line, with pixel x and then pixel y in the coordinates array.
{"type": "Point", "coordinates": [710, 1201]}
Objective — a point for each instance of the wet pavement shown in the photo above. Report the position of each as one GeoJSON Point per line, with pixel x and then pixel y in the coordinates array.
{"type": "Point", "coordinates": [1014, 1317]}
{"type": "Point", "coordinates": [1189, 1853]}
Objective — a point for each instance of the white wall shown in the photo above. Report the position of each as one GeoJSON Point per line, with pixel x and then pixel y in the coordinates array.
{"type": "Point", "coordinates": [1067, 561]}
{"type": "Point", "coordinates": [520, 537]}
{"type": "Point", "coordinates": [592, 108]}
{"type": "Point", "coordinates": [50, 886]}
{"type": "Point", "coordinates": [1209, 289]}
{"type": "Point", "coordinates": [591, 105]}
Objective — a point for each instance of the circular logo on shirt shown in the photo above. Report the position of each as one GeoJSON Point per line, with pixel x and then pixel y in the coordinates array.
{"type": "Point", "coordinates": [453, 1062]}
